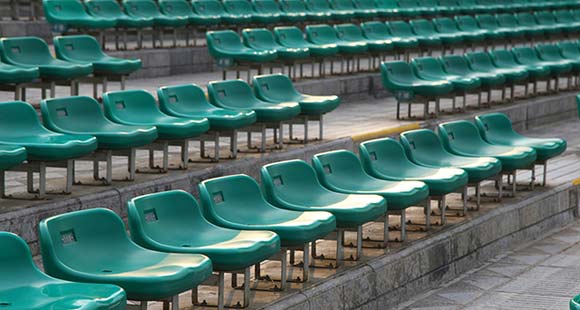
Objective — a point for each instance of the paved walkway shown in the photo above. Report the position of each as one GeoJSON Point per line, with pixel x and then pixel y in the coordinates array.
{"type": "Point", "coordinates": [543, 274]}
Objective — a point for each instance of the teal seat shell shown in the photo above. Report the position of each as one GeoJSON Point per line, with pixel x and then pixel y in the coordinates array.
{"type": "Point", "coordinates": [11, 156]}
{"type": "Point", "coordinates": [71, 13]}
{"type": "Point", "coordinates": [110, 10]}
{"type": "Point", "coordinates": [294, 38]}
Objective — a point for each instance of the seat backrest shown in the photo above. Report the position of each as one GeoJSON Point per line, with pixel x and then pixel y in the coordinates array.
{"type": "Point", "coordinates": [428, 3]}
{"type": "Point", "coordinates": [525, 53]}
{"type": "Point", "coordinates": [318, 5]}
{"type": "Point", "coordinates": [72, 113]}
{"type": "Point", "coordinates": [187, 99]}
{"type": "Point", "coordinates": [104, 8]}
{"type": "Point", "coordinates": [486, 21]}
{"type": "Point", "coordinates": [341, 168]}
{"type": "Point", "coordinates": [171, 218]}
{"type": "Point", "coordinates": [223, 40]}
{"type": "Point", "coordinates": [409, 4]}
{"type": "Point", "coordinates": [141, 8]}
{"type": "Point", "coordinates": [16, 265]}
{"type": "Point", "coordinates": [445, 25]}
{"type": "Point", "coordinates": [455, 64]}
{"type": "Point", "coordinates": [342, 4]}
{"type": "Point", "coordinates": [385, 156]}
{"type": "Point", "coordinates": [289, 36]}
{"type": "Point", "coordinates": [83, 240]}
{"type": "Point", "coordinates": [479, 60]}
{"type": "Point", "coordinates": [427, 65]}
{"type": "Point", "coordinates": [526, 19]}
{"type": "Point", "coordinates": [259, 38]}
{"type": "Point", "coordinates": [18, 118]}
{"type": "Point", "coordinates": [233, 198]}
{"type": "Point", "coordinates": [242, 7]}
{"type": "Point", "coordinates": [564, 16]}
{"type": "Point", "coordinates": [496, 124]}
{"type": "Point", "coordinates": [400, 29]}
{"type": "Point", "coordinates": [548, 51]}
{"type": "Point", "coordinates": [266, 6]}
{"type": "Point", "coordinates": [293, 181]}
{"type": "Point", "coordinates": [506, 20]}
{"type": "Point", "coordinates": [321, 34]}
{"type": "Point", "coordinates": [375, 30]}
{"type": "Point", "coordinates": [423, 27]}
{"type": "Point", "coordinates": [275, 87]}
{"type": "Point", "coordinates": [545, 18]}
{"type": "Point", "coordinates": [449, 3]}
{"type": "Point", "coordinates": [78, 48]}
{"type": "Point", "coordinates": [502, 57]}
{"type": "Point", "coordinates": [56, 10]}
{"type": "Point", "coordinates": [459, 134]}
{"type": "Point", "coordinates": [386, 4]}
{"type": "Point", "coordinates": [349, 32]}
{"type": "Point", "coordinates": [25, 50]}
{"type": "Point", "coordinates": [466, 23]}
{"type": "Point", "coordinates": [399, 71]}
{"type": "Point", "coordinates": [230, 93]}
{"type": "Point", "coordinates": [569, 49]}
{"type": "Point", "coordinates": [364, 4]}
{"type": "Point", "coordinates": [130, 105]}
{"type": "Point", "coordinates": [208, 7]}
{"type": "Point", "coordinates": [175, 7]}
{"type": "Point", "coordinates": [293, 6]}
{"type": "Point", "coordinates": [422, 145]}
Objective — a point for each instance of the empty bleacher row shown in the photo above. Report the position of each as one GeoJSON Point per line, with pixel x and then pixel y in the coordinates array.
{"type": "Point", "coordinates": [79, 129]}
{"type": "Point", "coordinates": [173, 15]}
{"type": "Point", "coordinates": [240, 224]}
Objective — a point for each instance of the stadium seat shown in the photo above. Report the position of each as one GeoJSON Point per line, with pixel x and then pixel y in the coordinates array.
{"type": "Point", "coordinates": [450, 7]}
{"type": "Point", "coordinates": [173, 222]}
{"type": "Point", "coordinates": [402, 29]}
{"type": "Point", "coordinates": [139, 108]}
{"type": "Point", "coordinates": [386, 159]}
{"type": "Point", "coordinates": [529, 57]}
{"type": "Point", "coordinates": [536, 71]}
{"type": "Point", "coordinates": [552, 54]}
{"type": "Point", "coordinates": [398, 77]}
{"type": "Point", "coordinates": [468, 24]}
{"type": "Point", "coordinates": [293, 37]}
{"type": "Point", "coordinates": [24, 286]}
{"type": "Point", "coordinates": [462, 138]}
{"type": "Point", "coordinates": [293, 11]}
{"type": "Point", "coordinates": [239, 12]}
{"type": "Point", "coordinates": [325, 35]}
{"type": "Point", "coordinates": [10, 157]}
{"type": "Point", "coordinates": [387, 8]}
{"type": "Point", "coordinates": [263, 39]}
{"type": "Point", "coordinates": [84, 116]}
{"type": "Point", "coordinates": [11, 74]}
{"type": "Point", "coordinates": [547, 20]}
{"type": "Point", "coordinates": [378, 31]}
{"type": "Point", "coordinates": [365, 9]}
{"type": "Point", "coordinates": [496, 128]}
{"type": "Point", "coordinates": [279, 88]}
{"type": "Point", "coordinates": [482, 62]}
{"type": "Point", "coordinates": [33, 52]}
{"type": "Point", "coordinates": [565, 17]}
{"type": "Point", "coordinates": [495, 31]}
{"type": "Point", "coordinates": [528, 21]}
{"type": "Point", "coordinates": [211, 10]}
{"type": "Point", "coordinates": [293, 185]}
{"type": "Point", "coordinates": [72, 14]}
{"type": "Point", "coordinates": [148, 9]}
{"type": "Point", "coordinates": [236, 202]}
{"type": "Point", "coordinates": [189, 101]}
{"type": "Point", "coordinates": [92, 246]}
{"type": "Point", "coordinates": [575, 303]}
{"type": "Point", "coordinates": [353, 33]}
{"type": "Point", "coordinates": [266, 11]}
{"type": "Point", "coordinates": [110, 10]}
{"type": "Point", "coordinates": [426, 28]}
{"type": "Point", "coordinates": [323, 6]}
{"type": "Point", "coordinates": [424, 148]}
{"type": "Point", "coordinates": [237, 95]}
{"type": "Point", "coordinates": [430, 69]}
{"type": "Point", "coordinates": [571, 51]}
{"type": "Point", "coordinates": [411, 8]}
{"type": "Point", "coordinates": [181, 9]}
{"type": "Point", "coordinates": [344, 7]}
{"type": "Point", "coordinates": [341, 171]}
{"type": "Point", "coordinates": [509, 21]}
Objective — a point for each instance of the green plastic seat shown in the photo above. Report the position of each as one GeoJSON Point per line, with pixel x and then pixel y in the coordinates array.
{"type": "Point", "coordinates": [411, 8]}
{"type": "Point", "coordinates": [462, 138]}
{"type": "Point", "coordinates": [225, 45]}
{"type": "Point", "coordinates": [450, 7]}
{"type": "Point", "coordinates": [293, 185]}
{"type": "Point", "coordinates": [181, 9]}
{"type": "Point", "coordinates": [399, 78]}
{"type": "Point", "coordinates": [92, 246]}
{"type": "Point", "coordinates": [110, 10]}
{"type": "Point", "coordinates": [11, 155]}
{"type": "Point", "coordinates": [293, 10]}
{"type": "Point", "coordinates": [378, 31]}
{"type": "Point", "coordinates": [139, 108]}
{"type": "Point", "coordinates": [387, 8]}
{"type": "Point", "coordinates": [403, 29]}
{"type": "Point", "coordinates": [263, 39]}
{"type": "Point", "coordinates": [20, 126]}
{"type": "Point", "coordinates": [236, 202]}
{"type": "Point", "coordinates": [353, 33]}
{"type": "Point", "coordinates": [33, 52]}
{"type": "Point", "coordinates": [431, 7]}
{"type": "Point", "coordinates": [239, 12]}
{"type": "Point", "coordinates": [549, 22]}
{"type": "Point", "coordinates": [71, 13]}
{"type": "Point", "coordinates": [473, 7]}
{"type": "Point", "coordinates": [15, 74]}
{"type": "Point", "coordinates": [83, 115]}
{"type": "Point", "coordinates": [469, 24]}
{"type": "Point", "coordinates": [551, 53]}
{"type": "Point", "coordinates": [495, 31]}
{"type": "Point", "coordinates": [341, 171]}
{"type": "Point", "coordinates": [147, 9]}
{"type": "Point", "coordinates": [24, 286]}
{"type": "Point", "coordinates": [173, 222]}
{"type": "Point", "coordinates": [210, 10]}
{"type": "Point", "coordinates": [527, 55]}
{"type": "Point", "coordinates": [344, 7]}
{"type": "Point", "coordinates": [84, 49]}
{"type": "Point", "coordinates": [448, 26]}
{"type": "Point", "coordinates": [237, 95]}
{"type": "Point", "coordinates": [496, 128]}
{"type": "Point", "coordinates": [424, 148]}
{"type": "Point", "coordinates": [571, 51]}
{"type": "Point", "coordinates": [565, 17]}
{"type": "Point", "coordinates": [481, 61]}
{"type": "Point", "coordinates": [365, 9]}
{"type": "Point", "coordinates": [324, 11]}
{"type": "Point", "coordinates": [325, 35]}
{"type": "Point", "coordinates": [266, 11]}
{"type": "Point", "coordinates": [509, 21]}
{"type": "Point", "coordinates": [430, 69]}
{"type": "Point", "coordinates": [505, 59]}
{"type": "Point", "coordinates": [279, 88]}
{"type": "Point", "coordinates": [528, 21]}
{"type": "Point", "coordinates": [458, 65]}
{"type": "Point", "coordinates": [426, 28]}
{"type": "Point", "coordinates": [189, 101]}
{"type": "Point", "coordinates": [294, 38]}
{"type": "Point", "coordinates": [386, 159]}
{"type": "Point", "coordinates": [575, 303]}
